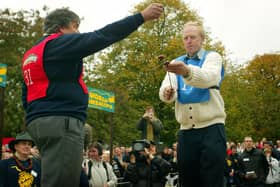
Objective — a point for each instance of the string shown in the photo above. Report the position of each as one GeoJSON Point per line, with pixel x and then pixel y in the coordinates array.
{"type": "Point", "coordinates": [161, 57]}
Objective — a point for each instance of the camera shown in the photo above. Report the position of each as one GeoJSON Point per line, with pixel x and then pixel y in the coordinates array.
{"type": "Point", "coordinates": [140, 145]}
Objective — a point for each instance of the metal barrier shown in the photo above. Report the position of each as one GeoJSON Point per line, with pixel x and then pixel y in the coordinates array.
{"type": "Point", "coordinates": [122, 183]}
{"type": "Point", "coordinates": [172, 181]}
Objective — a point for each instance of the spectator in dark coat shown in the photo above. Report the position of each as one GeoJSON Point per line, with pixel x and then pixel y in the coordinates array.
{"type": "Point", "coordinates": [254, 167]}
{"type": "Point", "coordinates": [21, 169]}
{"type": "Point", "coordinates": [150, 126]}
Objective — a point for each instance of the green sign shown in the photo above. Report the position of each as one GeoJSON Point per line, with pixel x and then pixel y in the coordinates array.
{"type": "Point", "coordinates": [101, 100]}
{"type": "Point", "coordinates": [3, 72]}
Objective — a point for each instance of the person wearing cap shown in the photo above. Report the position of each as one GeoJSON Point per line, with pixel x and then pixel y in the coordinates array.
{"type": "Point", "coordinates": [54, 95]}
{"type": "Point", "coordinates": [273, 177]}
{"type": "Point", "coordinates": [6, 153]}
{"type": "Point", "coordinates": [269, 145]}
{"type": "Point", "coordinates": [21, 169]}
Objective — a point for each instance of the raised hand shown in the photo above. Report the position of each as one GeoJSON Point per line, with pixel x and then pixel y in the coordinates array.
{"type": "Point", "coordinates": [153, 11]}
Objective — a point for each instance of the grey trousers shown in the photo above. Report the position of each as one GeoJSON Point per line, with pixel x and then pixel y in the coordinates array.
{"type": "Point", "coordinates": [60, 141]}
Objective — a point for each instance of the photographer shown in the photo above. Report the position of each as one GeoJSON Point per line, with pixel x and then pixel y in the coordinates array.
{"type": "Point", "coordinates": [150, 126]}
{"type": "Point", "coordinates": [146, 169]}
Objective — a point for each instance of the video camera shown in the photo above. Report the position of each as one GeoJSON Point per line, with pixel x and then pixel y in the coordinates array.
{"type": "Point", "coordinates": [140, 145]}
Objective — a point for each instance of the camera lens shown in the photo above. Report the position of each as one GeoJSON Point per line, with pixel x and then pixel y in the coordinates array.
{"type": "Point", "coordinates": [138, 146]}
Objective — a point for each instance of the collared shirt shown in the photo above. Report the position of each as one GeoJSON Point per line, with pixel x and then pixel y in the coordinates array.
{"type": "Point", "coordinates": [199, 115]}
{"type": "Point", "coordinates": [198, 55]}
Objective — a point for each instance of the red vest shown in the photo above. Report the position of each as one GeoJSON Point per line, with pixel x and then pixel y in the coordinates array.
{"type": "Point", "coordinates": [34, 74]}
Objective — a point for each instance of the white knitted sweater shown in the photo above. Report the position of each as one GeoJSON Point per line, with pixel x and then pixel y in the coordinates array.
{"type": "Point", "coordinates": [199, 115]}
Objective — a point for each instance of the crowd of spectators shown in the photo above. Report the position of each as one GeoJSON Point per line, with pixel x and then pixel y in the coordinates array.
{"type": "Point", "coordinates": [252, 164]}
{"type": "Point", "coordinates": [248, 163]}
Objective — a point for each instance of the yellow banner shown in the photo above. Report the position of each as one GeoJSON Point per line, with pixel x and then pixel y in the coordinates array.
{"type": "Point", "coordinates": [3, 72]}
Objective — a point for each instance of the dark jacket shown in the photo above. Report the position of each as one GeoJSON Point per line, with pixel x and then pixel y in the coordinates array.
{"type": "Point", "coordinates": [63, 65]}
{"type": "Point", "coordinates": [275, 153]}
{"type": "Point", "coordinates": [157, 127]}
{"type": "Point", "coordinates": [83, 179]}
{"type": "Point", "coordinates": [253, 161]}
{"type": "Point", "coordinates": [11, 174]}
{"type": "Point", "coordinates": [141, 174]}
{"type": "Point", "coordinates": [232, 163]}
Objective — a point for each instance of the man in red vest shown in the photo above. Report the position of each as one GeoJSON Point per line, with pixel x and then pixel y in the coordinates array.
{"type": "Point", "coordinates": [55, 97]}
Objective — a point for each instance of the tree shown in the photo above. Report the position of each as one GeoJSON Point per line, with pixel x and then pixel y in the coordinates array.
{"type": "Point", "coordinates": [18, 32]}
{"type": "Point", "coordinates": [131, 69]}
{"type": "Point", "coordinates": [252, 98]}
{"type": "Point", "coordinates": [262, 78]}
{"type": "Point", "coordinates": [237, 97]}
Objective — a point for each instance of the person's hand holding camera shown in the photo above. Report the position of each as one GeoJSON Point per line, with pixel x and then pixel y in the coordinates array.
{"type": "Point", "coordinates": [148, 116]}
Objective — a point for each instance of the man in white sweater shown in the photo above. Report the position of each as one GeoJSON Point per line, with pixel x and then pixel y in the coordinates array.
{"type": "Point", "coordinates": [193, 82]}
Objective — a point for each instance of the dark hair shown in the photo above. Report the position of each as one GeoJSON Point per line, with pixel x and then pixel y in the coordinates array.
{"type": "Point", "coordinates": [233, 146]}
{"type": "Point", "coordinates": [268, 143]}
{"type": "Point", "coordinates": [59, 18]}
{"type": "Point", "coordinates": [97, 146]}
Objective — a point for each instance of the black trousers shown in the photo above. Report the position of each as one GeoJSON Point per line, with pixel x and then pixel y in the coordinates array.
{"type": "Point", "coordinates": [201, 156]}
{"type": "Point", "coordinates": [253, 185]}
{"type": "Point", "coordinates": [272, 185]}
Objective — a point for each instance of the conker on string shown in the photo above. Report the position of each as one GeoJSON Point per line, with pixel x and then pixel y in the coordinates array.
{"type": "Point", "coordinates": [161, 57]}
{"type": "Point", "coordinates": [166, 63]}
